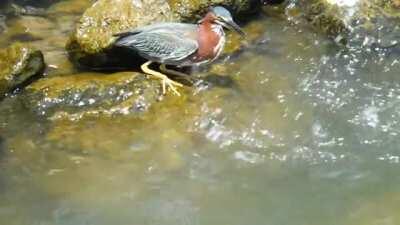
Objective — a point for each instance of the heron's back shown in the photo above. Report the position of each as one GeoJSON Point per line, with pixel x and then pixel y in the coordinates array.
{"type": "Point", "coordinates": [169, 43]}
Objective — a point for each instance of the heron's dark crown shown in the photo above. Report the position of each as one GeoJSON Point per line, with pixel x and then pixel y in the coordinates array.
{"type": "Point", "coordinates": [221, 12]}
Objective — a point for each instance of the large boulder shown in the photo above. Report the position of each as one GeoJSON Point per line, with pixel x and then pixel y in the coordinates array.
{"type": "Point", "coordinates": [354, 22]}
{"type": "Point", "coordinates": [90, 44]}
{"type": "Point", "coordinates": [18, 64]}
{"type": "Point", "coordinates": [78, 95]}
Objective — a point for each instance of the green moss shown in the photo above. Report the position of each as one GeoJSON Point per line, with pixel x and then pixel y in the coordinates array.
{"type": "Point", "coordinates": [95, 29]}
{"type": "Point", "coordinates": [354, 23]}
{"type": "Point", "coordinates": [191, 10]}
{"type": "Point", "coordinates": [18, 63]}
{"type": "Point", "coordinates": [93, 36]}
{"type": "Point", "coordinates": [69, 7]}
{"type": "Point", "coordinates": [91, 93]}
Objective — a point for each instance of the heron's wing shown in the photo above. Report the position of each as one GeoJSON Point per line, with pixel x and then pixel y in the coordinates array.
{"type": "Point", "coordinates": [159, 27]}
{"type": "Point", "coordinates": [165, 46]}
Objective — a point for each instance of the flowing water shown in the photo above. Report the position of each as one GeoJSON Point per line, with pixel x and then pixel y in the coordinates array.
{"type": "Point", "coordinates": [295, 130]}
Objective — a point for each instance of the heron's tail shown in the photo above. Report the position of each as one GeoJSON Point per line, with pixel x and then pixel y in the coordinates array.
{"type": "Point", "coordinates": [124, 34]}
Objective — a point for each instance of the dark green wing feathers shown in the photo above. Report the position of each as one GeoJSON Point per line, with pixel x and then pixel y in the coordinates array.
{"type": "Point", "coordinates": [160, 45]}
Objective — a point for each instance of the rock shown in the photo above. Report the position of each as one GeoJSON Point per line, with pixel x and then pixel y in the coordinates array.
{"type": "Point", "coordinates": [69, 7]}
{"type": "Point", "coordinates": [28, 28]}
{"type": "Point", "coordinates": [77, 95]}
{"type": "Point", "coordinates": [18, 64]}
{"type": "Point", "coordinates": [356, 22]}
{"type": "Point", "coordinates": [380, 208]}
{"type": "Point", "coordinates": [35, 3]}
{"type": "Point", "coordinates": [191, 10]}
{"type": "Point", "coordinates": [90, 43]}
{"type": "Point", "coordinates": [128, 140]}
{"type": "Point", "coordinates": [2, 147]}
{"type": "Point", "coordinates": [272, 2]}
{"type": "Point", "coordinates": [3, 25]}
{"type": "Point", "coordinates": [48, 33]}
{"type": "Point", "coordinates": [94, 31]}
{"type": "Point", "coordinates": [17, 10]}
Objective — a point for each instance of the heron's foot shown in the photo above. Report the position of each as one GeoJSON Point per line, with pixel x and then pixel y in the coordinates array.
{"type": "Point", "coordinates": [171, 85]}
{"type": "Point", "coordinates": [165, 80]}
{"type": "Point", "coordinates": [178, 74]}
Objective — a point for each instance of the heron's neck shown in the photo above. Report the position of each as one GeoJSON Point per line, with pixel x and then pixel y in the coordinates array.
{"type": "Point", "coordinates": [211, 39]}
{"type": "Point", "coordinates": [208, 25]}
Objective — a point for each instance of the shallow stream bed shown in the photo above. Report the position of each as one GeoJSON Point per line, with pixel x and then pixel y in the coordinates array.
{"type": "Point", "coordinates": [293, 130]}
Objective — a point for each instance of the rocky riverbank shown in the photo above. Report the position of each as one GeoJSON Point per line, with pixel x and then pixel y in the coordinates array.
{"type": "Point", "coordinates": [75, 38]}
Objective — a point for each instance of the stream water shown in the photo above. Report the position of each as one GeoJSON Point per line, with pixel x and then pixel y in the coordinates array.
{"type": "Point", "coordinates": [300, 131]}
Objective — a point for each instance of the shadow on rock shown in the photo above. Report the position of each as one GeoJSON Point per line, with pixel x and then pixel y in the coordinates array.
{"type": "Point", "coordinates": [220, 81]}
{"type": "Point", "coordinates": [2, 147]}
{"type": "Point", "coordinates": [19, 66]}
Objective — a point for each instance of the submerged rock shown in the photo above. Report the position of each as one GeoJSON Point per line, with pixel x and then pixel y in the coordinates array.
{"type": "Point", "coordinates": [354, 22]}
{"type": "Point", "coordinates": [69, 7]}
{"type": "Point", "coordinates": [3, 25]}
{"type": "Point", "coordinates": [49, 33]}
{"type": "Point", "coordinates": [18, 64]}
{"type": "Point", "coordinates": [90, 43]}
{"type": "Point", "coordinates": [17, 10]}
{"type": "Point", "coordinates": [28, 28]}
{"type": "Point", "coordinates": [74, 96]}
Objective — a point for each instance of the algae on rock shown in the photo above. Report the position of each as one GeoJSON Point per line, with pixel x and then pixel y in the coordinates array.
{"type": "Point", "coordinates": [356, 23]}
{"type": "Point", "coordinates": [77, 95]}
{"type": "Point", "coordinates": [191, 10]}
{"type": "Point", "coordinates": [90, 44]}
{"type": "Point", "coordinates": [18, 63]}
{"type": "Point", "coordinates": [94, 31]}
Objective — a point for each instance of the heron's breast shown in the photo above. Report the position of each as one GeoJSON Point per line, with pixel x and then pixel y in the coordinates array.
{"type": "Point", "coordinates": [210, 40]}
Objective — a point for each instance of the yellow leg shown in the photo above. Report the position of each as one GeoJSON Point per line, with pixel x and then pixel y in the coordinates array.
{"type": "Point", "coordinates": [165, 80]}
{"type": "Point", "coordinates": [185, 76]}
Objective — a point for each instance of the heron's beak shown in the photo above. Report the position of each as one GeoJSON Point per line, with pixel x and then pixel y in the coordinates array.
{"type": "Point", "coordinates": [231, 25]}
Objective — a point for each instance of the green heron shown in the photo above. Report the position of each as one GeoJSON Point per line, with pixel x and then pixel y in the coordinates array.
{"type": "Point", "coordinates": [179, 44]}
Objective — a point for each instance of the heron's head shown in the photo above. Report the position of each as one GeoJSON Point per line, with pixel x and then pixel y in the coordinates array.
{"type": "Point", "coordinates": [223, 17]}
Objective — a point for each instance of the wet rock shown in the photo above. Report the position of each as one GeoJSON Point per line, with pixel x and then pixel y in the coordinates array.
{"type": "Point", "coordinates": [93, 139]}
{"type": "Point", "coordinates": [2, 147]}
{"type": "Point", "coordinates": [191, 10]}
{"type": "Point", "coordinates": [93, 36]}
{"type": "Point", "coordinates": [34, 3]}
{"type": "Point", "coordinates": [3, 25]}
{"type": "Point", "coordinates": [94, 31]}
{"type": "Point", "coordinates": [18, 64]}
{"type": "Point", "coordinates": [17, 10]}
{"type": "Point", "coordinates": [46, 33]}
{"type": "Point", "coordinates": [69, 7]}
{"type": "Point", "coordinates": [27, 28]}
{"type": "Point", "coordinates": [74, 96]}
{"type": "Point", "coordinates": [380, 209]}
{"type": "Point", "coordinates": [355, 22]}
{"type": "Point", "coordinates": [272, 2]}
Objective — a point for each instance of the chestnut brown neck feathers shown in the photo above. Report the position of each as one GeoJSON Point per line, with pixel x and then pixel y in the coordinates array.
{"type": "Point", "coordinates": [210, 38]}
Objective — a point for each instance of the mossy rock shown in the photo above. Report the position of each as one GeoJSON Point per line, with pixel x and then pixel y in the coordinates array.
{"type": "Point", "coordinates": [77, 95]}
{"type": "Point", "coordinates": [94, 32]}
{"type": "Point", "coordinates": [69, 7]}
{"type": "Point", "coordinates": [18, 64]}
{"type": "Point", "coordinates": [361, 23]}
{"type": "Point", "coordinates": [27, 28]}
{"type": "Point", "coordinates": [191, 10]}
{"type": "Point", "coordinates": [91, 43]}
